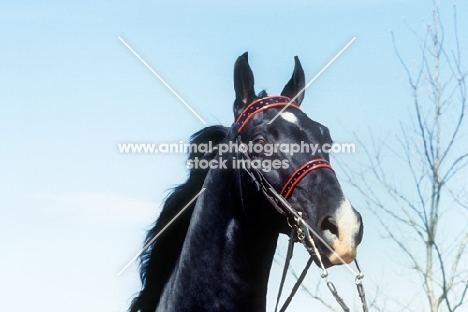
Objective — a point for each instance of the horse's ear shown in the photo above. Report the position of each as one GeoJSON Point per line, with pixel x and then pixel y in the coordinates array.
{"type": "Point", "coordinates": [296, 84]}
{"type": "Point", "coordinates": [243, 84]}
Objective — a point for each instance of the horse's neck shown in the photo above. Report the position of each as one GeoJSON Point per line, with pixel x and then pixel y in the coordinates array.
{"type": "Point", "coordinates": [226, 258]}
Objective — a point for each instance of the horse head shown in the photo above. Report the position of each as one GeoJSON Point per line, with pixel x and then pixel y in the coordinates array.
{"type": "Point", "coordinates": [277, 133]}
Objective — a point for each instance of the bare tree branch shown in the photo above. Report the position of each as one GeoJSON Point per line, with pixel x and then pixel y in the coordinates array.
{"type": "Point", "coordinates": [433, 155]}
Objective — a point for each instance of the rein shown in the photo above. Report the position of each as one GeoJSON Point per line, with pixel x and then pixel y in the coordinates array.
{"type": "Point", "coordinates": [300, 230]}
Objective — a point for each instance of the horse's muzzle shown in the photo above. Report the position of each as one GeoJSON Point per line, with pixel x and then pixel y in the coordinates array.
{"type": "Point", "coordinates": [343, 232]}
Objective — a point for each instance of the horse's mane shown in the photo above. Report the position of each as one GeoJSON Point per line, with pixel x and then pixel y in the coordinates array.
{"type": "Point", "coordinates": [158, 261]}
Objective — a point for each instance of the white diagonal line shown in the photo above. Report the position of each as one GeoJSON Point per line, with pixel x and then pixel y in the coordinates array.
{"type": "Point", "coordinates": [313, 79]}
{"type": "Point", "coordinates": [162, 80]}
{"type": "Point", "coordinates": [160, 232]}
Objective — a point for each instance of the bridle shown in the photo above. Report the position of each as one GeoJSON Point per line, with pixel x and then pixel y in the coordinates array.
{"type": "Point", "coordinates": [261, 105]}
{"type": "Point", "coordinates": [300, 230]}
{"type": "Point", "coordinates": [300, 173]}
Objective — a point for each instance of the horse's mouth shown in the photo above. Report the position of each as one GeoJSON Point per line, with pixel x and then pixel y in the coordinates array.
{"type": "Point", "coordinates": [330, 259]}
{"type": "Point", "coordinates": [343, 253]}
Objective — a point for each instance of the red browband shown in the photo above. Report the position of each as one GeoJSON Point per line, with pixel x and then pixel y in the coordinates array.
{"type": "Point", "coordinates": [262, 104]}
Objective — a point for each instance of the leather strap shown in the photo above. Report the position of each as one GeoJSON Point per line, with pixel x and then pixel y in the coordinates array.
{"type": "Point", "coordinates": [300, 173]}
{"type": "Point", "coordinates": [260, 105]}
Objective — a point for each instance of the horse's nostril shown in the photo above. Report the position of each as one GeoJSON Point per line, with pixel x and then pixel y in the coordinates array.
{"type": "Point", "coordinates": [329, 223]}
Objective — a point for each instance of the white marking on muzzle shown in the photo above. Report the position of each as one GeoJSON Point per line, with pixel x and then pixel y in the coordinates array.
{"type": "Point", "coordinates": [348, 227]}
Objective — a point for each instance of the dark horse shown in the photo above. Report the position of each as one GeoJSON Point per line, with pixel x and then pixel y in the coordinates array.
{"type": "Point", "coordinates": [217, 255]}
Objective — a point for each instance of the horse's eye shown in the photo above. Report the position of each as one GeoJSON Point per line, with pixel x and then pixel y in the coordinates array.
{"type": "Point", "coordinates": [260, 141]}
{"type": "Point", "coordinates": [258, 147]}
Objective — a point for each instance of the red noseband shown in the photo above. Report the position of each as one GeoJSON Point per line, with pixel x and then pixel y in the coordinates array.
{"type": "Point", "coordinates": [300, 173]}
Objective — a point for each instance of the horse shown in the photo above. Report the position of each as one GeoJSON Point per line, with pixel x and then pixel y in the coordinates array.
{"type": "Point", "coordinates": [217, 254]}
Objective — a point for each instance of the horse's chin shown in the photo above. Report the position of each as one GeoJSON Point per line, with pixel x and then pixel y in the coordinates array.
{"type": "Point", "coordinates": [346, 258]}
{"type": "Point", "coordinates": [338, 259]}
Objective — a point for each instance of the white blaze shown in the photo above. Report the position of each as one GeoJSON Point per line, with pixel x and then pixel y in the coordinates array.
{"type": "Point", "coordinates": [289, 117]}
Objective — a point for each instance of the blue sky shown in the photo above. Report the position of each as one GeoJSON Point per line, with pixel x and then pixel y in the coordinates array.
{"type": "Point", "coordinates": [73, 211]}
